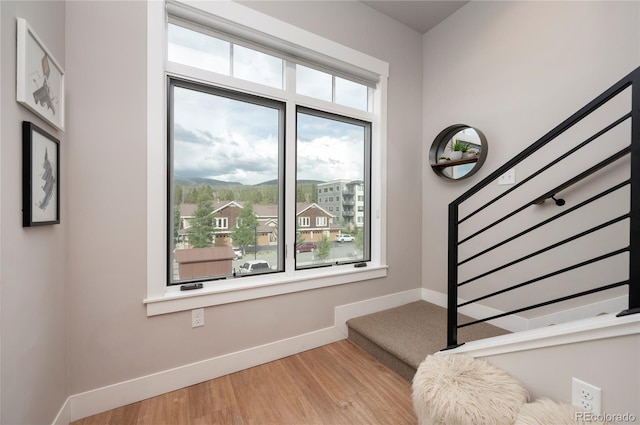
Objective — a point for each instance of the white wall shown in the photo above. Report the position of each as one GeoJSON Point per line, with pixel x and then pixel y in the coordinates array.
{"type": "Point", "coordinates": [110, 337]}
{"type": "Point", "coordinates": [32, 260]}
{"type": "Point", "coordinates": [611, 365]}
{"type": "Point", "coordinates": [515, 70]}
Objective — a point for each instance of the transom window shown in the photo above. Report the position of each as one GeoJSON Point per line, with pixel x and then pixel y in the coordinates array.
{"type": "Point", "coordinates": [252, 132]}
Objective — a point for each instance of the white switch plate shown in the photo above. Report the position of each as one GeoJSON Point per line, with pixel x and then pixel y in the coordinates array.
{"type": "Point", "coordinates": [508, 178]}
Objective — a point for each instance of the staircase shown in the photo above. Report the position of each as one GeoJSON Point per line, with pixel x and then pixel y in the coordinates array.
{"type": "Point", "coordinates": [402, 337]}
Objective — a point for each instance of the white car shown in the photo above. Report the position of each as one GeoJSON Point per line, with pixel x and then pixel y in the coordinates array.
{"type": "Point", "coordinates": [344, 238]}
{"type": "Point", "coordinates": [237, 253]}
{"type": "Point", "coordinates": [254, 266]}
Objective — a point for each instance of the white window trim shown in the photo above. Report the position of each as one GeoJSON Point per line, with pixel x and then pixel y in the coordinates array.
{"type": "Point", "coordinates": [221, 223]}
{"type": "Point", "coordinates": [304, 221]}
{"type": "Point", "coordinates": [252, 25]}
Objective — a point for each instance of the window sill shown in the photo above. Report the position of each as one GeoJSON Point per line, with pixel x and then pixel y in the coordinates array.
{"type": "Point", "coordinates": [249, 288]}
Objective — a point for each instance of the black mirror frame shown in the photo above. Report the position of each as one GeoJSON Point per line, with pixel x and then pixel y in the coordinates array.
{"type": "Point", "coordinates": [439, 145]}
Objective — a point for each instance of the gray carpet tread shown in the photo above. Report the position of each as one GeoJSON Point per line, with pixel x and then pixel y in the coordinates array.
{"type": "Point", "coordinates": [414, 330]}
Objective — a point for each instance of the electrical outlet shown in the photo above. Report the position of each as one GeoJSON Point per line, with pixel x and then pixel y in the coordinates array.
{"type": "Point", "coordinates": [197, 317]}
{"type": "Point", "coordinates": [586, 396]}
{"type": "Point", "coordinates": [508, 178]}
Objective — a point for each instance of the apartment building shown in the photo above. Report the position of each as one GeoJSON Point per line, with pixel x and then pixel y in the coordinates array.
{"type": "Point", "coordinates": [344, 199]}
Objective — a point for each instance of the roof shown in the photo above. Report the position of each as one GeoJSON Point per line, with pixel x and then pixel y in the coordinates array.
{"type": "Point", "coordinates": [198, 255]}
{"type": "Point", "coordinates": [261, 211]}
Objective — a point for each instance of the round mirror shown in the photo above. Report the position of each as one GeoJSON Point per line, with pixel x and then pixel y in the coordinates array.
{"type": "Point", "coordinates": [458, 152]}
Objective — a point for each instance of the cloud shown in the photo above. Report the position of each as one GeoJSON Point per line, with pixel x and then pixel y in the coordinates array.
{"type": "Point", "coordinates": [231, 140]}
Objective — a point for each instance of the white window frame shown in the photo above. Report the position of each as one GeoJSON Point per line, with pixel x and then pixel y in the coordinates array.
{"type": "Point", "coordinates": [221, 223]}
{"type": "Point", "coordinates": [304, 221]}
{"type": "Point", "coordinates": [252, 25]}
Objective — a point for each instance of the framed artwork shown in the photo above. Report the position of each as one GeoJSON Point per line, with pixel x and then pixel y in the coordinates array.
{"type": "Point", "coordinates": [39, 77]}
{"type": "Point", "coordinates": [40, 177]}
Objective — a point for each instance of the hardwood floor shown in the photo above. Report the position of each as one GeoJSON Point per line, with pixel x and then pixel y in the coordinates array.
{"type": "Point", "coordinates": [331, 385]}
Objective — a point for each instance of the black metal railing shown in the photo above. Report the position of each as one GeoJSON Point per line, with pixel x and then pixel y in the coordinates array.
{"type": "Point", "coordinates": [632, 82]}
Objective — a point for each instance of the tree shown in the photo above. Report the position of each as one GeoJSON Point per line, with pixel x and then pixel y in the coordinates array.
{"type": "Point", "coordinates": [245, 232]}
{"type": "Point", "coordinates": [177, 224]}
{"type": "Point", "coordinates": [201, 231]}
{"type": "Point", "coordinates": [301, 196]}
{"type": "Point", "coordinates": [359, 242]}
{"type": "Point", "coordinates": [323, 248]}
{"type": "Point", "coordinates": [178, 194]}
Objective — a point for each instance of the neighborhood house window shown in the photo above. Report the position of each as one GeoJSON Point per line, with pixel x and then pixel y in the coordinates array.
{"type": "Point", "coordinates": [304, 221]}
{"type": "Point", "coordinates": [221, 223]}
{"type": "Point", "coordinates": [227, 110]}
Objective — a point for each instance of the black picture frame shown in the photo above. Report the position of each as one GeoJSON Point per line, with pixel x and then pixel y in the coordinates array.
{"type": "Point", "coordinates": [40, 177]}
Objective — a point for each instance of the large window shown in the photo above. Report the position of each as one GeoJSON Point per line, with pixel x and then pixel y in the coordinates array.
{"type": "Point", "coordinates": [224, 165]}
{"type": "Point", "coordinates": [333, 147]}
{"type": "Point", "coordinates": [227, 156]}
{"type": "Point", "coordinates": [257, 128]}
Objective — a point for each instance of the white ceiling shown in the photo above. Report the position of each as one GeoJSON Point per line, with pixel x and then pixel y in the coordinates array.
{"type": "Point", "coordinates": [421, 15]}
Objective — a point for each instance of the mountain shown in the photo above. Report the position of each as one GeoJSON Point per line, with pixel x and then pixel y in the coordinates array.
{"type": "Point", "coordinates": [198, 181]}
{"type": "Point", "coordinates": [272, 182]}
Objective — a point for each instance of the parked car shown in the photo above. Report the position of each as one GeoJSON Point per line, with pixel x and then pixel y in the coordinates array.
{"type": "Point", "coordinates": [237, 253]}
{"type": "Point", "coordinates": [254, 266]}
{"type": "Point", "coordinates": [306, 247]}
{"type": "Point", "coordinates": [344, 238]}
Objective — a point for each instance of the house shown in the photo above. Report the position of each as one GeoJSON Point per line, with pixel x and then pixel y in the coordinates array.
{"type": "Point", "coordinates": [313, 222]}
{"type": "Point", "coordinates": [76, 338]}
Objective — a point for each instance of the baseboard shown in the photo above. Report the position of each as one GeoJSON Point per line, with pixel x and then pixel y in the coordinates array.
{"type": "Point", "coordinates": [373, 305]}
{"type": "Point", "coordinates": [64, 415]}
{"type": "Point", "coordinates": [511, 323]}
{"type": "Point", "coordinates": [591, 329]}
{"type": "Point", "coordinates": [612, 305]}
{"type": "Point", "coordinates": [110, 397]}
{"type": "Point", "coordinates": [123, 393]}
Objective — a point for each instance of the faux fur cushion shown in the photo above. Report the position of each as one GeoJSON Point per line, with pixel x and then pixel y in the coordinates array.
{"type": "Point", "coordinates": [545, 411]}
{"type": "Point", "coordinates": [461, 390]}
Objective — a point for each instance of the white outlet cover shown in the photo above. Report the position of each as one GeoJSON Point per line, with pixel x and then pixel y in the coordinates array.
{"type": "Point", "coordinates": [508, 178]}
{"type": "Point", "coordinates": [197, 317]}
{"type": "Point", "coordinates": [586, 396]}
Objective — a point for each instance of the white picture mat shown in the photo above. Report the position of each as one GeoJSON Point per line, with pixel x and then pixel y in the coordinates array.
{"type": "Point", "coordinates": [39, 81]}
{"type": "Point", "coordinates": [42, 145]}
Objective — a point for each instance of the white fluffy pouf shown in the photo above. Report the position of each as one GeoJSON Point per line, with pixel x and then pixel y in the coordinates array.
{"type": "Point", "coordinates": [545, 411]}
{"type": "Point", "coordinates": [461, 390]}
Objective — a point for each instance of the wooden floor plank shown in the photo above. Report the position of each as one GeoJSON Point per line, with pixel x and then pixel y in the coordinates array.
{"type": "Point", "coordinates": [337, 384]}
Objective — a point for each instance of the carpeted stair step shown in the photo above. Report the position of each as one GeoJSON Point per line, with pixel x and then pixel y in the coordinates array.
{"type": "Point", "coordinates": [402, 337]}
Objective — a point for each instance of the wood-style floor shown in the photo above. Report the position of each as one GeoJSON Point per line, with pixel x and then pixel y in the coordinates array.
{"type": "Point", "coordinates": [334, 384]}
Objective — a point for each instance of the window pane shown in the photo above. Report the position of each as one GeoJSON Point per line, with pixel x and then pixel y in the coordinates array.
{"type": "Point", "coordinates": [257, 67]}
{"type": "Point", "coordinates": [331, 153]}
{"type": "Point", "coordinates": [310, 82]}
{"type": "Point", "coordinates": [225, 170]}
{"type": "Point", "coordinates": [198, 50]}
{"type": "Point", "coordinates": [351, 94]}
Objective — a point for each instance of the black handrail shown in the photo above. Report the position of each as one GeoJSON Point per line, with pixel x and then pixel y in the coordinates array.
{"type": "Point", "coordinates": [631, 80]}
